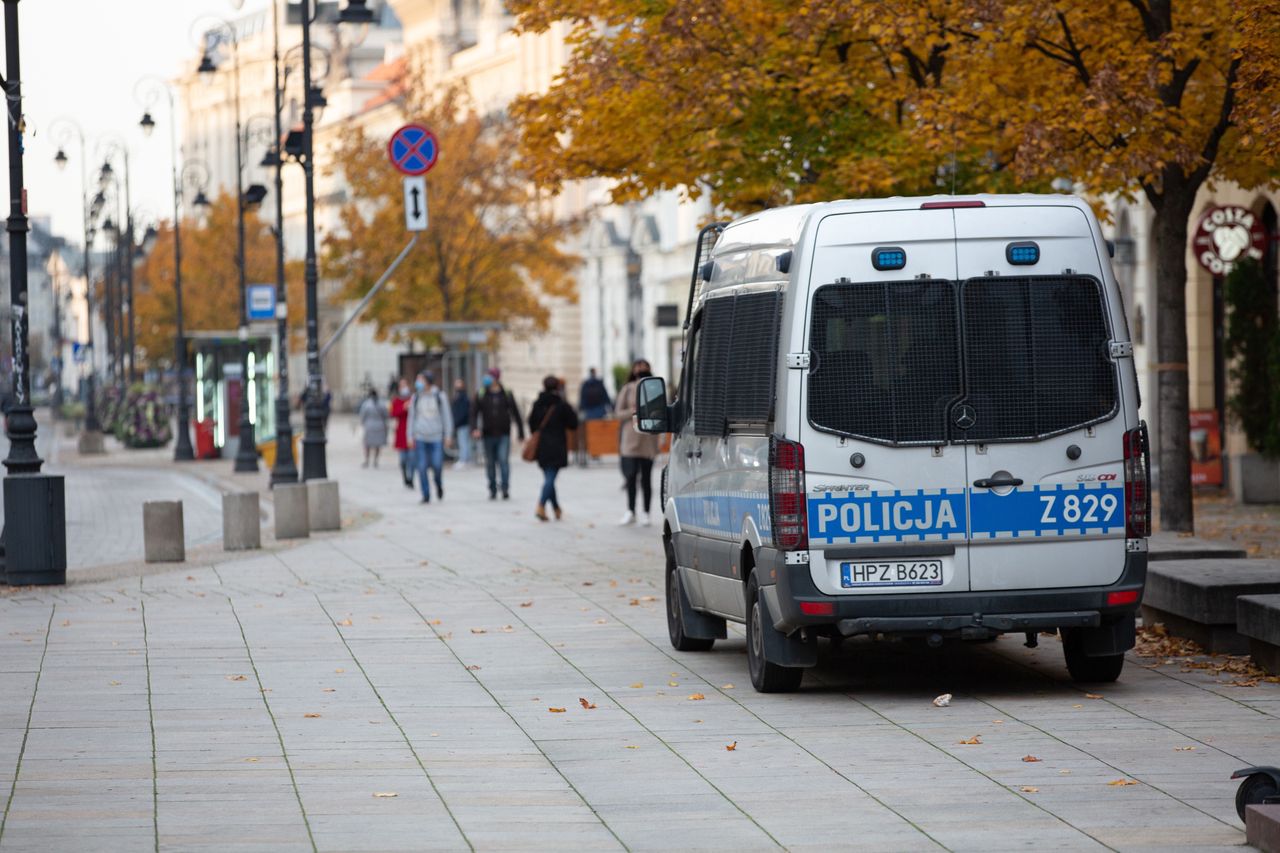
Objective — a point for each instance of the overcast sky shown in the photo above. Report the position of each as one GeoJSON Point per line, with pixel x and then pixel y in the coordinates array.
{"type": "Point", "coordinates": [83, 59]}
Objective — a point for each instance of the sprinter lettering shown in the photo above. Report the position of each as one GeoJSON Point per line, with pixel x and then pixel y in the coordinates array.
{"type": "Point", "coordinates": [885, 516]}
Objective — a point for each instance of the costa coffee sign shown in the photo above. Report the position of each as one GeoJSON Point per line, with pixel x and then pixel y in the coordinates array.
{"type": "Point", "coordinates": [1226, 235]}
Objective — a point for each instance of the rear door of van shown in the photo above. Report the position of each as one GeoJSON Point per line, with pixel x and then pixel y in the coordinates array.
{"type": "Point", "coordinates": [886, 492]}
{"type": "Point", "coordinates": [1042, 421]}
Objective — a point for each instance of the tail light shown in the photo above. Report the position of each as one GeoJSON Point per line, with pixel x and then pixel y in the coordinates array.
{"type": "Point", "coordinates": [788, 516]}
{"type": "Point", "coordinates": [1137, 483]}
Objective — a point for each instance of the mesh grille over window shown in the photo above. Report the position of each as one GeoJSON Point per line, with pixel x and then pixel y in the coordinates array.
{"type": "Point", "coordinates": [1036, 357]}
{"type": "Point", "coordinates": [737, 361]}
{"type": "Point", "coordinates": [886, 360]}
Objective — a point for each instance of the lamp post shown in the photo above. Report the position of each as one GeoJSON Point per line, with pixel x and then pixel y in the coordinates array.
{"type": "Point", "coordinates": [182, 450]}
{"type": "Point", "coordinates": [64, 129]}
{"type": "Point", "coordinates": [247, 452]}
{"type": "Point", "coordinates": [123, 236]}
{"type": "Point", "coordinates": [314, 466]}
{"type": "Point", "coordinates": [285, 469]}
{"type": "Point", "coordinates": [35, 535]}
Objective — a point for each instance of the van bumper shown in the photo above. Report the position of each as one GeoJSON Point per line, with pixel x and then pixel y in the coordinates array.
{"type": "Point", "coordinates": [973, 614]}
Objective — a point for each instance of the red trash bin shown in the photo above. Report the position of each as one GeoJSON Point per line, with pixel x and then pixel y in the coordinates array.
{"type": "Point", "coordinates": [205, 448]}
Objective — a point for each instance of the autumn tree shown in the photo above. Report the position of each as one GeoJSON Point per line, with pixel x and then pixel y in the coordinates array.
{"type": "Point", "coordinates": [764, 102]}
{"type": "Point", "coordinates": [210, 277]}
{"type": "Point", "coordinates": [492, 249]}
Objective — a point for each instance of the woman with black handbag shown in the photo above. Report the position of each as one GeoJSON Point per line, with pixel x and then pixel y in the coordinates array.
{"type": "Point", "coordinates": [550, 418]}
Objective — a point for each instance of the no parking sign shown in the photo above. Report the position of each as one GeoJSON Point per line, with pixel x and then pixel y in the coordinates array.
{"type": "Point", "coordinates": [413, 149]}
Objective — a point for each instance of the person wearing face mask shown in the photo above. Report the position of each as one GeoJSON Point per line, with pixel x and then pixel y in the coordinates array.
{"type": "Point", "coordinates": [637, 449]}
{"type": "Point", "coordinates": [400, 414]}
{"type": "Point", "coordinates": [494, 412]}
{"type": "Point", "coordinates": [430, 428]}
{"type": "Point", "coordinates": [461, 405]}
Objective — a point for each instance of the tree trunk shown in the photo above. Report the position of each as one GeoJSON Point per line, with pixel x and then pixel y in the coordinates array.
{"type": "Point", "coordinates": [1172, 213]}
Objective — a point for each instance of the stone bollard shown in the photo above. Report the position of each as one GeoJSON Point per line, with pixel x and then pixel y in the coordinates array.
{"type": "Point", "coordinates": [291, 511]}
{"type": "Point", "coordinates": [91, 443]}
{"type": "Point", "coordinates": [162, 533]}
{"type": "Point", "coordinates": [322, 505]}
{"type": "Point", "coordinates": [241, 522]}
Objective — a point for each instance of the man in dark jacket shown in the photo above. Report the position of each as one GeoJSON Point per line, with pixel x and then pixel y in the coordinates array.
{"type": "Point", "coordinates": [461, 405]}
{"type": "Point", "coordinates": [494, 412]}
{"type": "Point", "coordinates": [593, 398]}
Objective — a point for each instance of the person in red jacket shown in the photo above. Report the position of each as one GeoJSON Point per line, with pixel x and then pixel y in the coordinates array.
{"type": "Point", "coordinates": [400, 413]}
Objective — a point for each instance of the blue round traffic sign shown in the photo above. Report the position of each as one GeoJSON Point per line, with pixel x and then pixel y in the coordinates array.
{"type": "Point", "coordinates": [413, 149]}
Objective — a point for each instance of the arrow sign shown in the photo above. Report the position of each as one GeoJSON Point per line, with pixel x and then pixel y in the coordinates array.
{"type": "Point", "coordinates": [415, 203]}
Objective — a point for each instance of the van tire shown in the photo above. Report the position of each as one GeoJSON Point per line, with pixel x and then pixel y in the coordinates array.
{"type": "Point", "coordinates": [1089, 668]}
{"type": "Point", "coordinates": [677, 606]}
{"type": "Point", "coordinates": [766, 677]}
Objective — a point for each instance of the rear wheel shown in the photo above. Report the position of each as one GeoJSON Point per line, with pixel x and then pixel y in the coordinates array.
{"type": "Point", "coordinates": [765, 676]}
{"type": "Point", "coordinates": [1089, 668]}
{"type": "Point", "coordinates": [1253, 791]}
{"type": "Point", "coordinates": [677, 605]}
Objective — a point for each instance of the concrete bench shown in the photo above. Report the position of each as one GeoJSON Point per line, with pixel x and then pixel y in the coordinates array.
{"type": "Point", "coordinates": [1258, 619]}
{"type": "Point", "coordinates": [1166, 545]}
{"type": "Point", "coordinates": [163, 539]}
{"type": "Point", "coordinates": [1262, 827]}
{"type": "Point", "coordinates": [1196, 599]}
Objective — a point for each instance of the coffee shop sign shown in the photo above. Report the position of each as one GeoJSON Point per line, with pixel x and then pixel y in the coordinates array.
{"type": "Point", "coordinates": [1224, 236]}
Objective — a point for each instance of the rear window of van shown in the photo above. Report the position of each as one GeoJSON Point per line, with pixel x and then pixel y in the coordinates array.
{"type": "Point", "coordinates": [892, 360]}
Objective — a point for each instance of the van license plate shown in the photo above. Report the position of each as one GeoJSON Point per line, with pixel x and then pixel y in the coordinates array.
{"type": "Point", "coordinates": [891, 573]}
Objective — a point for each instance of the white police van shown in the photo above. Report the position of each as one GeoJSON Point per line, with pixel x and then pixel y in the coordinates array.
{"type": "Point", "coordinates": [905, 417]}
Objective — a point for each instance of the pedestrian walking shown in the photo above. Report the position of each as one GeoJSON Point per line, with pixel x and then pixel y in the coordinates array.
{"type": "Point", "coordinates": [373, 420]}
{"type": "Point", "coordinates": [400, 414]}
{"type": "Point", "coordinates": [550, 418]}
{"type": "Point", "coordinates": [593, 398]}
{"type": "Point", "coordinates": [637, 449]}
{"type": "Point", "coordinates": [494, 412]}
{"type": "Point", "coordinates": [430, 428]}
{"type": "Point", "coordinates": [461, 405]}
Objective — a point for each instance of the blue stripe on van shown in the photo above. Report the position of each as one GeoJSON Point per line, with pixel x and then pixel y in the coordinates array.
{"type": "Point", "coordinates": [896, 516]}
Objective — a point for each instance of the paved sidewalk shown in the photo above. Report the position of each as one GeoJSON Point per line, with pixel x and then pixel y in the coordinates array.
{"type": "Point", "coordinates": [391, 688]}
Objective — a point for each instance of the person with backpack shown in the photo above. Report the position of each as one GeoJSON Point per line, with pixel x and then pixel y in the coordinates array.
{"type": "Point", "coordinates": [494, 412]}
{"type": "Point", "coordinates": [550, 419]}
{"type": "Point", "coordinates": [593, 398]}
{"type": "Point", "coordinates": [431, 428]}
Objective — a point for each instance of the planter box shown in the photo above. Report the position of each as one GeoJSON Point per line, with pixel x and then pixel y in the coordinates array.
{"type": "Point", "coordinates": [1254, 479]}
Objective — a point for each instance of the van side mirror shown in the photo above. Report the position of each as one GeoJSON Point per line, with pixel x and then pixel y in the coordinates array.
{"type": "Point", "coordinates": [652, 414]}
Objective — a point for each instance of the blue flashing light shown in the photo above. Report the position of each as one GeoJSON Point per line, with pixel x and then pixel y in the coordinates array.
{"type": "Point", "coordinates": [1022, 254]}
{"type": "Point", "coordinates": [889, 258]}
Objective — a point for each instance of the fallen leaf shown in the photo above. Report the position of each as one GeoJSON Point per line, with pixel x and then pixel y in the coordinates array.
{"type": "Point", "coordinates": [1028, 789]}
{"type": "Point", "coordinates": [602, 621]}
{"type": "Point", "coordinates": [1183, 748]}
{"type": "Point", "coordinates": [635, 602]}
{"type": "Point", "coordinates": [696, 697]}
{"type": "Point", "coordinates": [434, 622]}
{"type": "Point", "coordinates": [473, 667]}
{"type": "Point", "coordinates": [629, 746]}
{"type": "Point", "coordinates": [1244, 682]}
{"type": "Point", "coordinates": [637, 685]}
{"type": "Point", "coordinates": [942, 701]}
{"type": "Point", "coordinates": [588, 583]}
{"type": "Point", "coordinates": [1118, 783]}
{"type": "Point", "coordinates": [114, 683]}
{"type": "Point", "coordinates": [328, 690]}
{"type": "Point", "coordinates": [726, 686]}
{"type": "Point", "coordinates": [190, 578]}
{"type": "Point", "coordinates": [252, 760]}
{"type": "Point", "coordinates": [1030, 759]}
{"type": "Point", "coordinates": [345, 623]}
{"type": "Point", "coordinates": [1064, 772]}
{"type": "Point", "coordinates": [310, 716]}
{"type": "Point", "coordinates": [590, 706]}
{"type": "Point", "coordinates": [998, 722]}
{"type": "Point", "coordinates": [1092, 696]}
{"type": "Point", "coordinates": [526, 604]}
{"type": "Point", "coordinates": [556, 710]}
{"type": "Point", "coordinates": [973, 741]}
{"type": "Point", "coordinates": [673, 684]}
{"type": "Point", "coordinates": [424, 562]}
{"type": "Point", "coordinates": [613, 583]}
{"type": "Point", "coordinates": [235, 678]}
{"type": "Point", "coordinates": [648, 598]}
{"type": "Point", "coordinates": [507, 629]}
{"type": "Point", "coordinates": [447, 531]}
{"type": "Point", "coordinates": [1077, 706]}
{"type": "Point", "coordinates": [66, 622]}
{"type": "Point", "coordinates": [479, 631]}
{"type": "Point", "coordinates": [339, 670]}
{"type": "Point", "coordinates": [385, 794]}
{"type": "Point", "coordinates": [731, 746]}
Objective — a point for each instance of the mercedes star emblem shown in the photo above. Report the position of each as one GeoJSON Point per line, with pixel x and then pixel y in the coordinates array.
{"type": "Point", "coordinates": [966, 417]}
